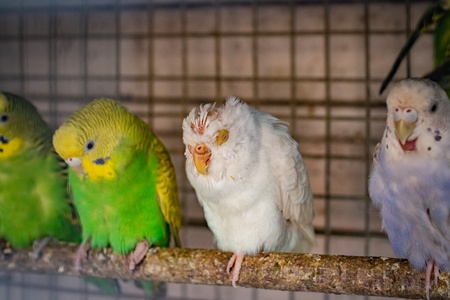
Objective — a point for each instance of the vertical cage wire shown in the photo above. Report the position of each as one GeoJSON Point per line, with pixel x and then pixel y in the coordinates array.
{"type": "Point", "coordinates": [327, 229]}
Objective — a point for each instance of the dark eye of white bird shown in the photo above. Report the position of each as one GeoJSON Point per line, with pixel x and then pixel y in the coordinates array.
{"type": "Point", "coordinates": [4, 118]}
{"type": "Point", "coordinates": [433, 108]}
{"type": "Point", "coordinates": [89, 145]}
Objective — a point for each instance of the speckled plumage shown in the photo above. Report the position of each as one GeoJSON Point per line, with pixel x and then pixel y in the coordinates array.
{"type": "Point", "coordinates": [33, 194]}
{"type": "Point", "coordinates": [410, 179]}
{"type": "Point", "coordinates": [255, 191]}
{"type": "Point", "coordinates": [125, 188]}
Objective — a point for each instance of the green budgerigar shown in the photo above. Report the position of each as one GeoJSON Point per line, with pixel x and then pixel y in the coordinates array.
{"type": "Point", "coordinates": [33, 193]}
{"type": "Point", "coordinates": [122, 181]}
{"type": "Point", "coordinates": [34, 204]}
{"type": "Point", "coordinates": [437, 17]}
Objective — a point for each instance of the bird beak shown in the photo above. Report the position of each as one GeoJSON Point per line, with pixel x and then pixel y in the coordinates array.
{"type": "Point", "coordinates": [201, 155]}
{"type": "Point", "coordinates": [403, 129]}
{"type": "Point", "coordinates": [75, 164]}
{"type": "Point", "coordinates": [405, 119]}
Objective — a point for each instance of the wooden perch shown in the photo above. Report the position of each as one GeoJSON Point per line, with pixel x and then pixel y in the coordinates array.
{"type": "Point", "coordinates": [351, 275]}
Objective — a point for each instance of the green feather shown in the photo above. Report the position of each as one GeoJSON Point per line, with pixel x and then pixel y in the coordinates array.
{"type": "Point", "coordinates": [123, 211]}
{"type": "Point", "coordinates": [34, 202]}
{"type": "Point", "coordinates": [107, 285]}
{"type": "Point", "coordinates": [441, 40]}
{"type": "Point", "coordinates": [126, 189]}
{"type": "Point", "coordinates": [33, 197]}
{"type": "Point", "coordinates": [436, 16]}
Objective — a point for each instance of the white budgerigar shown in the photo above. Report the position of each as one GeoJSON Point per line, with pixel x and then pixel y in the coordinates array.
{"type": "Point", "coordinates": [410, 179]}
{"type": "Point", "coordinates": [250, 179]}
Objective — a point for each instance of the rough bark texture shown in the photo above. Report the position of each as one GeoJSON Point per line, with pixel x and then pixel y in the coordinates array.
{"type": "Point", "coordinates": [282, 271]}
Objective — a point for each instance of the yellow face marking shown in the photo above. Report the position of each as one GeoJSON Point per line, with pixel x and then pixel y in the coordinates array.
{"type": "Point", "coordinates": [11, 148]}
{"type": "Point", "coordinates": [222, 136]}
{"type": "Point", "coordinates": [96, 172]}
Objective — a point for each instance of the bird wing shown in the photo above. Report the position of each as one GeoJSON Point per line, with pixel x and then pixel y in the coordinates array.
{"type": "Point", "coordinates": [167, 190]}
{"type": "Point", "coordinates": [375, 154]}
{"type": "Point", "coordinates": [72, 215]}
{"type": "Point", "coordinates": [296, 197]}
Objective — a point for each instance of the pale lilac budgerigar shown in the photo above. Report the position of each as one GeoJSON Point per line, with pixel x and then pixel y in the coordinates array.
{"type": "Point", "coordinates": [250, 179]}
{"type": "Point", "coordinates": [410, 179]}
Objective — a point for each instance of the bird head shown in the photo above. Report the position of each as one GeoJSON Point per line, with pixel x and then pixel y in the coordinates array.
{"type": "Point", "coordinates": [214, 134]}
{"type": "Point", "coordinates": [199, 134]}
{"type": "Point", "coordinates": [21, 127]}
{"type": "Point", "coordinates": [416, 106]}
{"type": "Point", "coordinates": [88, 139]}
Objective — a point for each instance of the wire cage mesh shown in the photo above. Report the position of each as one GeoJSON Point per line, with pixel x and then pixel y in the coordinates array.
{"type": "Point", "coordinates": [317, 65]}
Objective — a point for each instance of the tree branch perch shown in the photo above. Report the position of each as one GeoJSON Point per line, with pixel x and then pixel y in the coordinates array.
{"type": "Point", "coordinates": [351, 275]}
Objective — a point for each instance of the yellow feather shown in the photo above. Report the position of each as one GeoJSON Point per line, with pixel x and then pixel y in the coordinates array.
{"type": "Point", "coordinates": [115, 127]}
{"type": "Point", "coordinates": [97, 172]}
{"type": "Point", "coordinates": [3, 102]}
{"type": "Point", "coordinates": [11, 148]}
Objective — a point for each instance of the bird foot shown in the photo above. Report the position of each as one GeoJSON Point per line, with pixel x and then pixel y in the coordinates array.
{"type": "Point", "coordinates": [7, 250]}
{"type": "Point", "coordinates": [82, 254]}
{"type": "Point", "coordinates": [236, 261]}
{"type": "Point", "coordinates": [38, 246]}
{"type": "Point", "coordinates": [139, 253]}
{"type": "Point", "coordinates": [431, 267]}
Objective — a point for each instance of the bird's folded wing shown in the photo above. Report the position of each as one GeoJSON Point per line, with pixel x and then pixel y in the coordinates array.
{"type": "Point", "coordinates": [296, 201]}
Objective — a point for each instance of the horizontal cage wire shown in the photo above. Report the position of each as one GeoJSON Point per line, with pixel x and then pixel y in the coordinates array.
{"type": "Point", "coordinates": [317, 65]}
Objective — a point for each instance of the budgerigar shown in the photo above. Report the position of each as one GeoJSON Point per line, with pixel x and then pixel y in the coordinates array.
{"type": "Point", "coordinates": [250, 180]}
{"type": "Point", "coordinates": [34, 204]}
{"type": "Point", "coordinates": [33, 193]}
{"type": "Point", "coordinates": [122, 180]}
{"type": "Point", "coordinates": [410, 179]}
{"type": "Point", "coordinates": [437, 17]}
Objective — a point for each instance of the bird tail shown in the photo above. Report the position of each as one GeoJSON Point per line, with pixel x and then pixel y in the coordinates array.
{"type": "Point", "coordinates": [109, 286]}
{"type": "Point", "coordinates": [152, 288]}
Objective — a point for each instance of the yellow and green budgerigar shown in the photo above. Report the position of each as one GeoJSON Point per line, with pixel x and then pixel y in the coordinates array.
{"type": "Point", "coordinates": [33, 193]}
{"type": "Point", "coordinates": [34, 204]}
{"type": "Point", "coordinates": [122, 180]}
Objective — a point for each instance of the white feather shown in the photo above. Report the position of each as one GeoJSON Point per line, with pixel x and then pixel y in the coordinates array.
{"type": "Point", "coordinates": [256, 194]}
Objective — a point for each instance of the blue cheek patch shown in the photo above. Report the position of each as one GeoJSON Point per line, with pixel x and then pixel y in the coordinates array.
{"type": "Point", "coordinates": [100, 161]}
{"type": "Point", "coordinates": [3, 140]}
{"type": "Point", "coordinates": [396, 116]}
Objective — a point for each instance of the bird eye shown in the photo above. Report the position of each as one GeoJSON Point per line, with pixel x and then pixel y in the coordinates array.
{"type": "Point", "coordinates": [222, 136]}
{"type": "Point", "coordinates": [89, 146]}
{"type": "Point", "coordinates": [4, 118]}
{"type": "Point", "coordinates": [434, 108]}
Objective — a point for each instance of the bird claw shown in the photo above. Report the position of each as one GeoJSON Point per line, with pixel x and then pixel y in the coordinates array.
{"type": "Point", "coordinates": [138, 254]}
{"type": "Point", "coordinates": [436, 275]}
{"type": "Point", "coordinates": [7, 250]}
{"type": "Point", "coordinates": [231, 263]}
{"type": "Point", "coordinates": [236, 261]}
{"type": "Point", "coordinates": [431, 267]}
{"type": "Point", "coordinates": [38, 246]}
{"type": "Point", "coordinates": [82, 254]}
